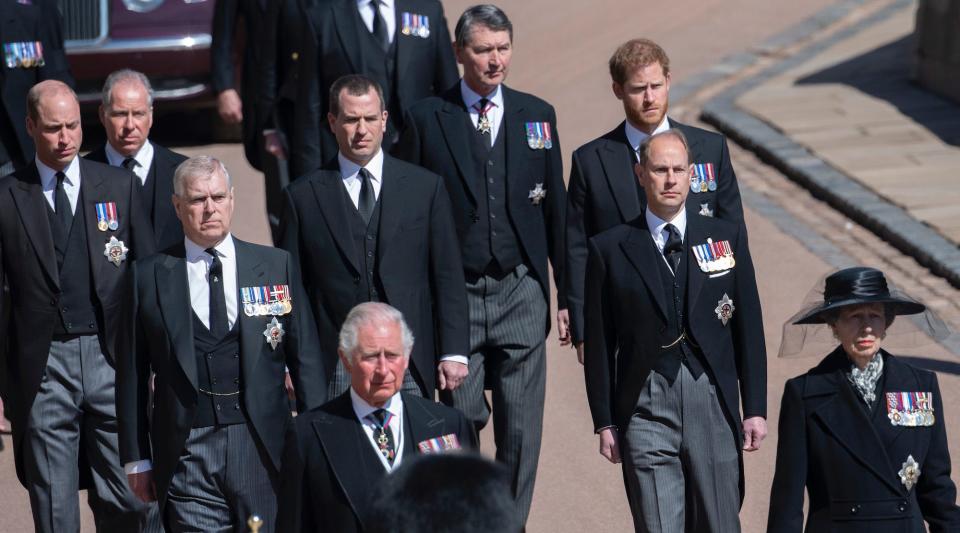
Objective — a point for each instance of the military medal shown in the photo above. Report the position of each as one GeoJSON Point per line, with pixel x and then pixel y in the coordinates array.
{"type": "Point", "coordinates": [537, 194]}
{"type": "Point", "coordinates": [440, 444]}
{"type": "Point", "coordinates": [273, 333]}
{"type": "Point", "coordinates": [909, 472]}
{"type": "Point", "coordinates": [406, 25]}
{"type": "Point", "coordinates": [266, 300]}
{"type": "Point", "coordinates": [724, 309]}
{"type": "Point", "coordinates": [414, 24]}
{"type": "Point", "coordinates": [383, 441]}
{"type": "Point", "coordinates": [107, 216]}
{"type": "Point", "coordinates": [23, 54]}
{"type": "Point", "coordinates": [704, 178]}
{"type": "Point", "coordinates": [483, 124]}
{"type": "Point", "coordinates": [115, 251]}
{"type": "Point", "coordinates": [694, 183]}
{"type": "Point", "coordinates": [714, 256]}
{"type": "Point", "coordinates": [910, 409]}
{"type": "Point", "coordinates": [705, 210]}
{"type": "Point", "coordinates": [539, 135]}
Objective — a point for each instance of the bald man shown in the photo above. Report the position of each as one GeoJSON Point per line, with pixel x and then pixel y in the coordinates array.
{"type": "Point", "coordinates": [69, 229]}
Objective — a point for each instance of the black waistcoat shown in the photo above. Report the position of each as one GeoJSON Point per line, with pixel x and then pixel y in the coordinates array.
{"type": "Point", "coordinates": [365, 241]}
{"type": "Point", "coordinates": [380, 66]}
{"type": "Point", "coordinates": [683, 352]}
{"type": "Point", "coordinates": [491, 243]}
{"type": "Point", "coordinates": [78, 307]}
{"type": "Point", "coordinates": [218, 371]}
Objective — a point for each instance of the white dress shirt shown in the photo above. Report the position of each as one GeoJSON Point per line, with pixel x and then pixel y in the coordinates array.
{"type": "Point", "coordinates": [350, 172]}
{"type": "Point", "coordinates": [658, 229]}
{"type": "Point", "coordinates": [387, 11]}
{"type": "Point", "coordinates": [395, 407]}
{"type": "Point", "coordinates": [198, 268]}
{"type": "Point", "coordinates": [143, 157]}
{"type": "Point", "coordinates": [636, 137]}
{"type": "Point", "coordinates": [470, 99]}
{"type": "Point", "coordinates": [71, 184]}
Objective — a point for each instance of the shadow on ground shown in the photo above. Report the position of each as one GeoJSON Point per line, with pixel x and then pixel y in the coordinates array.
{"type": "Point", "coordinates": [886, 73]}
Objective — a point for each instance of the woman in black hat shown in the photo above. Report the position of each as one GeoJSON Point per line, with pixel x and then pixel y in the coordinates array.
{"type": "Point", "coordinates": [862, 431]}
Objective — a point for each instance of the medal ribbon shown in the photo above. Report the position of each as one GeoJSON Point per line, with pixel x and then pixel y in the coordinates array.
{"type": "Point", "coordinates": [111, 211]}
{"type": "Point", "coordinates": [101, 212]}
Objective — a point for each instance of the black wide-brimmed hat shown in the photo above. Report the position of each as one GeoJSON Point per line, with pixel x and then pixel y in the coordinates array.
{"type": "Point", "coordinates": [855, 286]}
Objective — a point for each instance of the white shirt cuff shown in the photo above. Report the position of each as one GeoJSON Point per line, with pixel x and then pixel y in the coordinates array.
{"type": "Point", "coordinates": [462, 359]}
{"type": "Point", "coordinates": [138, 467]}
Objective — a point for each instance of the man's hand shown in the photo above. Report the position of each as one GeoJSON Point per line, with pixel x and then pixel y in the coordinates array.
{"type": "Point", "coordinates": [230, 107]}
{"type": "Point", "coordinates": [288, 384]}
{"type": "Point", "coordinates": [579, 347]}
{"type": "Point", "coordinates": [142, 486]}
{"type": "Point", "coordinates": [754, 431]}
{"type": "Point", "coordinates": [610, 445]}
{"type": "Point", "coordinates": [273, 144]}
{"type": "Point", "coordinates": [4, 425]}
{"type": "Point", "coordinates": [451, 374]}
{"type": "Point", "coordinates": [563, 327]}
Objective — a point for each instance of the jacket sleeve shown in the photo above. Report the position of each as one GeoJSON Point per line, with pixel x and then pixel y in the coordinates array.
{"type": "Point", "coordinates": [407, 146]}
{"type": "Point", "coordinates": [790, 475]}
{"type": "Point", "coordinates": [55, 66]}
{"type": "Point", "coordinates": [445, 71]}
{"type": "Point", "coordinates": [221, 46]}
{"type": "Point", "coordinates": [446, 276]}
{"type": "Point", "coordinates": [307, 146]}
{"type": "Point", "coordinates": [748, 340]}
{"type": "Point", "coordinates": [576, 248]}
{"type": "Point", "coordinates": [936, 492]}
{"type": "Point", "coordinates": [133, 376]}
{"type": "Point", "coordinates": [729, 204]}
{"type": "Point", "coordinates": [305, 361]}
{"type": "Point", "coordinates": [554, 212]}
{"type": "Point", "coordinates": [294, 502]}
{"type": "Point", "coordinates": [599, 359]}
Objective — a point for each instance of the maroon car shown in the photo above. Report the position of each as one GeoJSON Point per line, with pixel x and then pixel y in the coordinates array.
{"type": "Point", "coordinates": [168, 40]}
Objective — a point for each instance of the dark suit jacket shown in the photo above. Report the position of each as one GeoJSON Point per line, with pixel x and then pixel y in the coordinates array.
{"type": "Point", "coordinates": [848, 460]}
{"type": "Point", "coordinates": [28, 265]}
{"type": "Point", "coordinates": [623, 284]}
{"type": "Point", "coordinates": [161, 332]}
{"type": "Point", "coordinates": [424, 67]}
{"type": "Point", "coordinates": [28, 23]}
{"type": "Point", "coordinates": [283, 46]}
{"type": "Point", "coordinates": [603, 192]}
{"type": "Point", "coordinates": [327, 475]}
{"type": "Point", "coordinates": [223, 71]}
{"type": "Point", "coordinates": [418, 259]}
{"type": "Point", "coordinates": [437, 136]}
{"type": "Point", "coordinates": [167, 229]}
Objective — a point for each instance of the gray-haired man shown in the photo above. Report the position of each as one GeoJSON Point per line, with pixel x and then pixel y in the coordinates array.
{"type": "Point", "coordinates": [126, 113]}
{"type": "Point", "coordinates": [216, 319]}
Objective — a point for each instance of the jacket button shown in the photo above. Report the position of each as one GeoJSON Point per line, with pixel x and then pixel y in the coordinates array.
{"type": "Point", "coordinates": [903, 507]}
{"type": "Point", "coordinates": [855, 509]}
{"type": "Point", "coordinates": [91, 326]}
{"type": "Point", "coordinates": [236, 380]}
{"type": "Point", "coordinates": [236, 407]}
{"type": "Point", "coordinates": [53, 301]}
{"type": "Point", "coordinates": [65, 309]}
{"type": "Point", "coordinates": [213, 381]}
{"type": "Point", "coordinates": [218, 407]}
{"type": "Point", "coordinates": [356, 279]}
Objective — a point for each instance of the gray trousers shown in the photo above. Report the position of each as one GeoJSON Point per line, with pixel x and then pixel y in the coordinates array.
{"type": "Point", "coordinates": [341, 382]}
{"type": "Point", "coordinates": [222, 479]}
{"type": "Point", "coordinates": [76, 408]}
{"type": "Point", "coordinates": [508, 320]}
{"type": "Point", "coordinates": [680, 459]}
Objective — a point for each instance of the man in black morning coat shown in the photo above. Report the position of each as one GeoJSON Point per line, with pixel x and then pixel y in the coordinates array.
{"type": "Point", "coordinates": [603, 189]}
{"type": "Point", "coordinates": [403, 45]}
{"type": "Point", "coordinates": [499, 154]}
{"type": "Point", "coordinates": [369, 227]}
{"type": "Point", "coordinates": [127, 116]}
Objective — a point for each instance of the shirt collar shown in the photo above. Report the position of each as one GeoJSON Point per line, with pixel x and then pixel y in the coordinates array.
{"type": "Point", "coordinates": [349, 169]}
{"type": "Point", "coordinates": [48, 176]}
{"type": "Point", "coordinates": [363, 409]}
{"type": "Point", "coordinates": [386, 3]}
{"type": "Point", "coordinates": [144, 155]}
{"type": "Point", "coordinates": [635, 137]}
{"type": "Point", "coordinates": [195, 252]}
{"type": "Point", "coordinates": [470, 97]}
{"type": "Point", "coordinates": [656, 224]}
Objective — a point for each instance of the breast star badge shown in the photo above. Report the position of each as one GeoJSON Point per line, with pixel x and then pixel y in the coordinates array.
{"type": "Point", "coordinates": [537, 194]}
{"type": "Point", "coordinates": [115, 251]}
{"type": "Point", "coordinates": [705, 210]}
{"type": "Point", "coordinates": [909, 472]}
{"type": "Point", "coordinates": [274, 333]}
{"type": "Point", "coordinates": [724, 309]}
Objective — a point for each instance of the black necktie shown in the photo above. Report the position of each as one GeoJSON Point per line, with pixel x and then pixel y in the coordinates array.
{"type": "Point", "coordinates": [130, 164]}
{"type": "Point", "coordinates": [379, 26]}
{"type": "Point", "coordinates": [218, 302]}
{"type": "Point", "coordinates": [673, 248]}
{"type": "Point", "coordinates": [383, 435]}
{"type": "Point", "coordinates": [61, 205]}
{"type": "Point", "coordinates": [367, 199]}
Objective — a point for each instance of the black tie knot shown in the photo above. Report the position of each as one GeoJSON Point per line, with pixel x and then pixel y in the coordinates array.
{"type": "Point", "coordinates": [380, 415]}
{"type": "Point", "coordinates": [60, 178]}
{"type": "Point", "coordinates": [673, 248]}
{"type": "Point", "coordinates": [129, 163]}
{"type": "Point", "coordinates": [216, 268]}
{"type": "Point", "coordinates": [367, 199]}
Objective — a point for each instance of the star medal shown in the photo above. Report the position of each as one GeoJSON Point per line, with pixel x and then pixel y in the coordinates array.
{"type": "Point", "coordinates": [483, 124]}
{"type": "Point", "coordinates": [724, 309]}
{"type": "Point", "coordinates": [705, 210]}
{"type": "Point", "coordinates": [115, 251]}
{"type": "Point", "coordinates": [537, 194]}
{"type": "Point", "coordinates": [274, 333]}
{"type": "Point", "coordinates": [909, 472]}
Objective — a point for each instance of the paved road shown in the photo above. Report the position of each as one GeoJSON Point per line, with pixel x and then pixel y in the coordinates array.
{"type": "Point", "coordinates": [561, 53]}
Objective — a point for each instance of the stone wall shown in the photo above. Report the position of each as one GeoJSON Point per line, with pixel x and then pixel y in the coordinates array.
{"type": "Point", "coordinates": [938, 47]}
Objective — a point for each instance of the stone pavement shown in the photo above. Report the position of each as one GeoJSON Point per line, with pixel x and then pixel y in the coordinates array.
{"type": "Point", "coordinates": [840, 115]}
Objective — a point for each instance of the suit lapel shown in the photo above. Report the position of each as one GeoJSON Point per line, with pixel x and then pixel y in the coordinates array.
{"type": "Point", "coordinates": [693, 139]}
{"type": "Point", "coordinates": [32, 207]}
{"type": "Point", "coordinates": [453, 122]}
{"type": "Point", "coordinates": [391, 205]}
{"type": "Point", "coordinates": [347, 17]}
{"type": "Point", "coordinates": [423, 425]}
{"type": "Point", "coordinates": [847, 421]}
{"type": "Point", "coordinates": [173, 293]}
{"type": "Point", "coordinates": [895, 378]}
{"type": "Point", "coordinates": [616, 158]}
{"type": "Point", "coordinates": [94, 191]}
{"type": "Point", "coordinates": [512, 127]}
{"type": "Point", "coordinates": [329, 192]}
{"type": "Point", "coordinates": [404, 53]}
{"type": "Point", "coordinates": [696, 233]}
{"type": "Point", "coordinates": [250, 273]}
{"type": "Point", "coordinates": [642, 253]}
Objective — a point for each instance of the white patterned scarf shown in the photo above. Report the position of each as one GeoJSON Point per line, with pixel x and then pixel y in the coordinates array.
{"type": "Point", "coordinates": [865, 381]}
